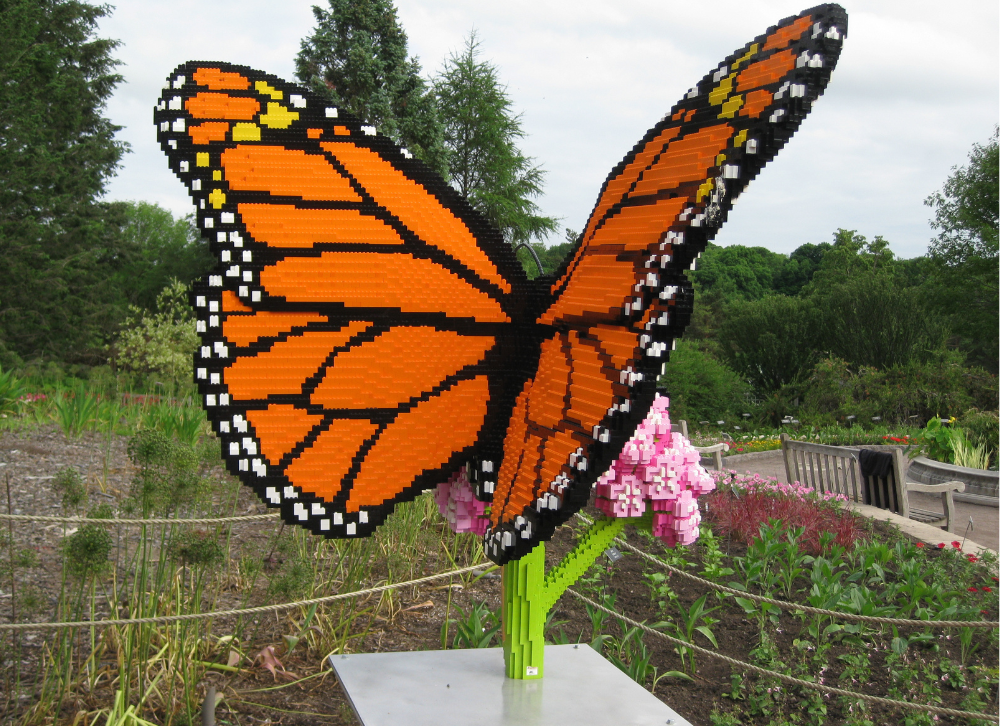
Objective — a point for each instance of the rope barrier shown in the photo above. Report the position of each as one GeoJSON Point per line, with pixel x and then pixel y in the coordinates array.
{"type": "Point", "coordinates": [803, 608]}
{"type": "Point", "coordinates": [241, 611]}
{"type": "Point", "coordinates": [459, 571]}
{"type": "Point", "coordinates": [787, 678]}
{"type": "Point", "coordinates": [160, 520]}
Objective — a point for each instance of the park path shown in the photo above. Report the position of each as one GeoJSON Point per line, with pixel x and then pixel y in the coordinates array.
{"type": "Point", "coordinates": [986, 519]}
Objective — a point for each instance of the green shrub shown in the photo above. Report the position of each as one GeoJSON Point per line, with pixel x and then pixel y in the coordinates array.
{"type": "Point", "coordinates": [87, 550]}
{"type": "Point", "coordinates": [169, 473]}
{"type": "Point", "coordinates": [771, 341]}
{"type": "Point", "coordinates": [701, 387]}
{"type": "Point", "coordinates": [982, 427]}
{"type": "Point", "coordinates": [197, 549]}
{"type": "Point", "coordinates": [909, 394]}
{"type": "Point", "coordinates": [160, 344]}
{"type": "Point", "coordinates": [70, 484]}
{"type": "Point", "coordinates": [294, 580]}
{"type": "Point", "coordinates": [872, 320]}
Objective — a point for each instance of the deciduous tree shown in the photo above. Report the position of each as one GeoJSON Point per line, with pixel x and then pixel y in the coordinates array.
{"type": "Point", "coordinates": [964, 274]}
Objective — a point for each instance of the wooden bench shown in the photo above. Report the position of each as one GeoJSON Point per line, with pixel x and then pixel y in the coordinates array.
{"type": "Point", "coordinates": [715, 451]}
{"type": "Point", "coordinates": [837, 469]}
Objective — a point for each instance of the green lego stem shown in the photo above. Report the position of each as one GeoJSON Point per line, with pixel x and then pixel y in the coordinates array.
{"type": "Point", "coordinates": [523, 583]}
{"type": "Point", "coordinates": [529, 594]}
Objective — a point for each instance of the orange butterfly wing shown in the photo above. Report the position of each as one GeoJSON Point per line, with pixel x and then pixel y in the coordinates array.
{"type": "Point", "coordinates": [621, 298]}
{"type": "Point", "coordinates": [358, 332]}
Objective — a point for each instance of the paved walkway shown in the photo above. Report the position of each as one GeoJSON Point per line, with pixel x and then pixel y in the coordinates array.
{"type": "Point", "coordinates": [986, 519]}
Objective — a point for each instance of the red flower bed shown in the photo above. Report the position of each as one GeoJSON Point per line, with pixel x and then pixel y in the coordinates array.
{"type": "Point", "coordinates": [739, 511]}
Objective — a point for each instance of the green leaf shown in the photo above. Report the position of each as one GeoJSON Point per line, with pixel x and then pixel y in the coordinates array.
{"type": "Point", "coordinates": [679, 674]}
{"type": "Point", "coordinates": [899, 645]}
{"type": "Point", "coordinates": [704, 630]}
{"type": "Point", "coordinates": [749, 606]}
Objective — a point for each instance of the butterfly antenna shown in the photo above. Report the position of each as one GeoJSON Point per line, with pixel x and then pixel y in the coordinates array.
{"type": "Point", "coordinates": [533, 254]}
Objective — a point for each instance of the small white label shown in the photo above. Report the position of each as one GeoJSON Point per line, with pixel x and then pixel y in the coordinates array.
{"type": "Point", "coordinates": [531, 671]}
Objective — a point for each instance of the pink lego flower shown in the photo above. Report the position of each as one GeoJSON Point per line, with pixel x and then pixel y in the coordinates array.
{"type": "Point", "coordinates": [661, 469]}
{"type": "Point", "coordinates": [459, 506]}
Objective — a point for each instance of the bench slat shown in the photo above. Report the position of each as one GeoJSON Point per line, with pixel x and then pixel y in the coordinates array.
{"type": "Point", "coordinates": [837, 469]}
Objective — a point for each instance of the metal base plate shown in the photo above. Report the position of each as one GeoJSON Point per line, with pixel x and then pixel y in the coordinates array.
{"type": "Point", "coordinates": [459, 687]}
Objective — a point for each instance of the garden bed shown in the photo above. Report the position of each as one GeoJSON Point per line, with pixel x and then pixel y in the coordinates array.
{"type": "Point", "coordinates": [271, 667]}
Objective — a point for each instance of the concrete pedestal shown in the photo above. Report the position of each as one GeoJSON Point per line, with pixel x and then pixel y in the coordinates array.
{"type": "Point", "coordinates": [468, 687]}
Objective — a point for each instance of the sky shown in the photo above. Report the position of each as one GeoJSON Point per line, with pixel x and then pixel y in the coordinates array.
{"type": "Point", "coordinates": [916, 86]}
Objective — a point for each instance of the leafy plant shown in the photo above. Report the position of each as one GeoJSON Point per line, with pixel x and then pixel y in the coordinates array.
{"type": "Point", "coordinates": [72, 487]}
{"type": "Point", "coordinates": [161, 343]}
{"type": "Point", "coordinates": [968, 454]}
{"type": "Point", "coordinates": [75, 411]}
{"type": "Point", "coordinates": [762, 611]}
{"type": "Point", "coordinates": [693, 620]}
{"type": "Point", "coordinates": [724, 719]}
{"type": "Point", "coordinates": [168, 474]}
{"type": "Point", "coordinates": [631, 656]}
{"type": "Point", "coordinates": [659, 589]}
{"type": "Point", "coordinates": [938, 440]}
{"type": "Point", "coordinates": [825, 593]}
{"type": "Point", "coordinates": [87, 550]}
{"type": "Point", "coordinates": [792, 560]}
{"type": "Point", "coordinates": [713, 557]}
{"type": "Point", "coordinates": [475, 629]}
{"type": "Point", "coordinates": [11, 390]}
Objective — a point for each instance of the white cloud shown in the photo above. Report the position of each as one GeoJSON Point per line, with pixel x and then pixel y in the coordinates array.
{"type": "Point", "coordinates": [917, 85]}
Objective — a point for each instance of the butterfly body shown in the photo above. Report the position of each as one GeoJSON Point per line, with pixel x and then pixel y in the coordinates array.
{"type": "Point", "coordinates": [367, 334]}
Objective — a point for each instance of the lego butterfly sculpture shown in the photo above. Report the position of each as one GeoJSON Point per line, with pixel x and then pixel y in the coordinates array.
{"type": "Point", "coordinates": [367, 335]}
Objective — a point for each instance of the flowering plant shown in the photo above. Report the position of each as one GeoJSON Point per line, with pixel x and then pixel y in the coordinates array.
{"type": "Point", "coordinates": [750, 483]}
{"type": "Point", "coordinates": [745, 502]}
{"type": "Point", "coordinates": [749, 446]}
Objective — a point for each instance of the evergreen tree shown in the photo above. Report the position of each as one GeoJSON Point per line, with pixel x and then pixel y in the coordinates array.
{"type": "Point", "coordinates": [357, 58]}
{"type": "Point", "coordinates": [57, 151]}
{"type": "Point", "coordinates": [481, 133]}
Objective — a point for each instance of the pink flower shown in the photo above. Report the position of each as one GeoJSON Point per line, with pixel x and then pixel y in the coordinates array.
{"type": "Point", "coordinates": [956, 545]}
{"type": "Point", "coordinates": [920, 544]}
{"type": "Point", "coordinates": [972, 589]}
{"type": "Point", "coordinates": [973, 558]}
{"type": "Point", "coordinates": [659, 470]}
{"type": "Point", "coordinates": [941, 546]}
{"type": "Point", "coordinates": [459, 506]}
{"type": "Point", "coordinates": [987, 589]}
